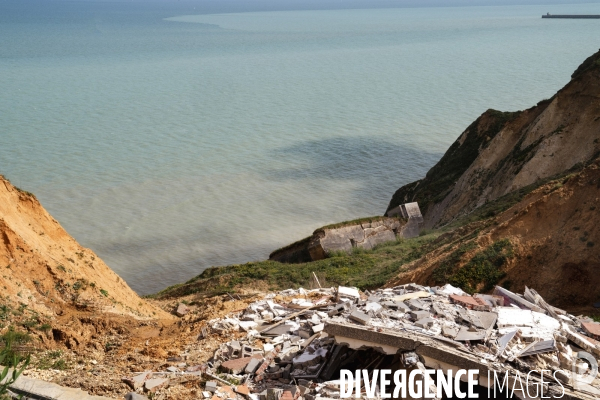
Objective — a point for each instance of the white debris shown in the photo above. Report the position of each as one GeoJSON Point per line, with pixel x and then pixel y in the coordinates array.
{"type": "Point", "coordinates": [351, 292]}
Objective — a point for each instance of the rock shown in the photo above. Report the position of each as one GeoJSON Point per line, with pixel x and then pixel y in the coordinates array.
{"type": "Point", "coordinates": [318, 328]}
{"type": "Point", "coordinates": [182, 310]}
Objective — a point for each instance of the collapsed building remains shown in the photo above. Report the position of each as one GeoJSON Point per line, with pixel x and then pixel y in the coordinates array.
{"type": "Point", "coordinates": [402, 222]}
{"type": "Point", "coordinates": [292, 345]}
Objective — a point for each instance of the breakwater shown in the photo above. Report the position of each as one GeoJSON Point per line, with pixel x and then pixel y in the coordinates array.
{"type": "Point", "coordinates": [572, 16]}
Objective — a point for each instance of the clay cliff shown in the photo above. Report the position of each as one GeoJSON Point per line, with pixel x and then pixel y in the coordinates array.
{"type": "Point", "coordinates": [44, 268]}
{"type": "Point", "coordinates": [515, 200]}
{"type": "Point", "coordinates": [549, 241]}
{"type": "Point", "coordinates": [505, 151]}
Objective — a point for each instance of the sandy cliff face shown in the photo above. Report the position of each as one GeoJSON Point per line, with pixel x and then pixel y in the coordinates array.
{"type": "Point", "coordinates": [42, 266]}
{"type": "Point", "coordinates": [503, 152]}
{"type": "Point", "coordinates": [554, 239]}
{"type": "Point", "coordinates": [518, 195]}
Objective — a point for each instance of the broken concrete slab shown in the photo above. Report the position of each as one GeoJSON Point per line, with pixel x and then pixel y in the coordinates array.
{"type": "Point", "coordinates": [137, 381]}
{"type": "Point", "coordinates": [417, 304]}
{"type": "Point", "coordinates": [449, 332]}
{"type": "Point", "coordinates": [412, 295]}
{"type": "Point", "coordinates": [592, 329]}
{"type": "Point", "coordinates": [153, 384]}
{"type": "Point", "coordinates": [468, 334]}
{"type": "Point", "coordinates": [278, 330]}
{"type": "Point", "coordinates": [425, 323]}
{"type": "Point", "coordinates": [374, 308]}
{"type": "Point", "coordinates": [418, 315]}
{"type": "Point", "coordinates": [438, 341]}
{"type": "Point", "coordinates": [466, 301]}
{"type": "Point", "coordinates": [515, 317]}
{"type": "Point", "coordinates": [35, 388]}
{"type": "Point", "coordinates": [242, 389]}
{"type": "Point", "coordinates": [512, 298]}
{"type": "Point", "coordinates": [253, 365]}
{"type": "Point", "coordinates": [350, 292]}
{"type": "Point", "coordinates": [211, 386]}
{"type": "Point", "coordinates": [360, 317]}
{"type": "Point", "coordinates": [235, 366]}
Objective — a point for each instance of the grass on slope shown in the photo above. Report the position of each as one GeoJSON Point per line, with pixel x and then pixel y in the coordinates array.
{"type": "Point", "coordinates": [365, 269]}
{"type": "Point", "coordinates": [373, 268]}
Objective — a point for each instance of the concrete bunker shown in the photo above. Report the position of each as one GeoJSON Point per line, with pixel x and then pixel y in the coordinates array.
{"type": "Point", "coordinates": [404, 222]}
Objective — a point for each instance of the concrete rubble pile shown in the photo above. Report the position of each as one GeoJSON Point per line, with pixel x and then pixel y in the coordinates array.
{"type": "Point", "coordinates": [291, 348]}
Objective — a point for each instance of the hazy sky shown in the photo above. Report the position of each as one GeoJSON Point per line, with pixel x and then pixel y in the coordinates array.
{"type": "Point", "coordinates": [346, 3]}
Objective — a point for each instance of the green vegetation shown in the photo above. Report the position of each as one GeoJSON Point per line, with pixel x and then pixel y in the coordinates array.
{"type": "Point", "coordinates": [13, 362]}
{"type": "Point", "coordinates": [292, 245]}
{"type": "Point", "coordinates": [369, 269]}
{"type": "Point", "coordinates": [592, 62]}
{"type": "Point", "coordinates": [441, 178]}
{"type": "Point", "coordinates": [481, 272]}
{"type": "Point", "coordinates": [365, 269]}
{"type": "Point", "coordinates": [52, 360]}
{"type": "Point", "coordinates": [45, 327]}
{"type": "Point", "coordinates": [18, 189]}
{"type": "Point", "coordinates": [104, 292]}
{"type": "Point", "coordinates": [501, 204]}
{"type": "Point", "coordinates": [80, 284]}
{"type": "Point", "coordinates": [445, 271]}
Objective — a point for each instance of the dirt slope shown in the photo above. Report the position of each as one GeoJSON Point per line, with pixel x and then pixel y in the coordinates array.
{"type": "Point", "coordinates": [551, 243]}
{"type": "Point", "coordinates": [502, 152]}
{"type": "Point", "coordinates": [43, 267]}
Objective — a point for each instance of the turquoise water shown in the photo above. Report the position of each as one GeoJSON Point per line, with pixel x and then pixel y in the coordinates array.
{"type": "Point", "coordinates": [169, 141]}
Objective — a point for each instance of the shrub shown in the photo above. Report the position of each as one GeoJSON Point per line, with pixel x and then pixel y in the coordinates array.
{"type": "Point", "coordinates": [14, 363]}
{"type": "Point", "coordinates": [52, 360]}
{"type": "Point", "coordinates": [484, 268]}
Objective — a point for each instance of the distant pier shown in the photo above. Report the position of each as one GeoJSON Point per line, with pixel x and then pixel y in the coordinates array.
{"type": "Point", "coordinates": [564, 16]}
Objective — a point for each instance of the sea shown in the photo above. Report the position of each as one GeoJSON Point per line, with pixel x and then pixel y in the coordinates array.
{"type": "Point", "coordinates": [172, 136]}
